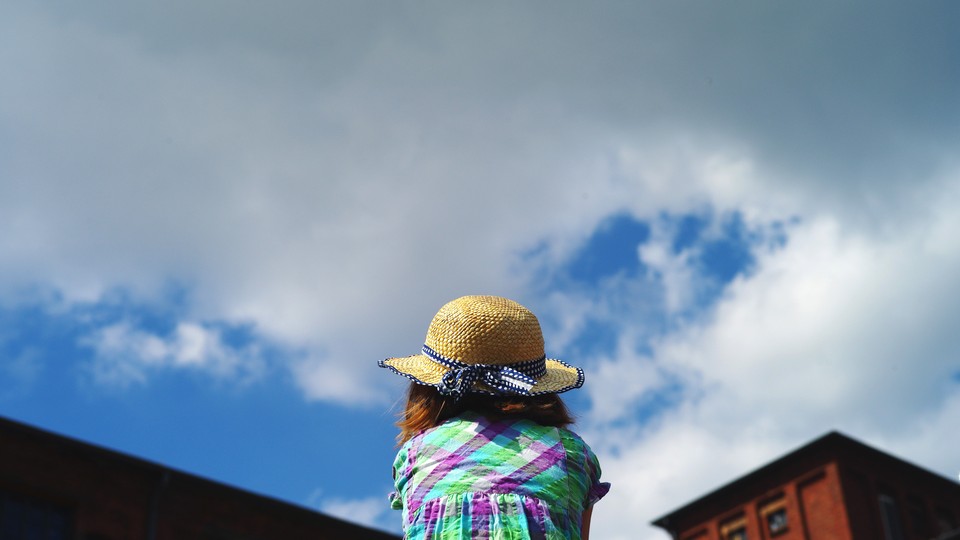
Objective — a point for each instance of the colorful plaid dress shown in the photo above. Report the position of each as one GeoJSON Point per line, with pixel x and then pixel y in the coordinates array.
{"type": "Point", "coordinates": [498, 480]}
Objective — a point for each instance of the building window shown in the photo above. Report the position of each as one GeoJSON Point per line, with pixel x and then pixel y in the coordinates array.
{"type": "Point", "coordinates": [734, 529]}
{"type": "Point", "coordinates": [24, 519]}
{"type": "Point", "coordinates": [777, 521]}
{"type": "Point", "coordinates": [945, 521]}
{"type": "Point", "coordinates": [774, 515]}
{"type": "Point", "coordinates": [892, 525]}
{"type": "Point", "coordinates": [737, 534]}
{"type": "Point", "coordinates": [917, 512]}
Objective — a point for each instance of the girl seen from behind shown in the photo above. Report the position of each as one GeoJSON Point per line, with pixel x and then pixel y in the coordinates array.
{"type": "Point", "coordinates": [485, 447]}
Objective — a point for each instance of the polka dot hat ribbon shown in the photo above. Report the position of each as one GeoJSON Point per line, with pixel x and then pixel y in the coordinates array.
{"type": "Point", "coordinates": [516, 378]}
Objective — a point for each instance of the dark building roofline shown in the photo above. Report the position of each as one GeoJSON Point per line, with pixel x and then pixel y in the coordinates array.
{"type": "Point", "coordinates": [85, 449]}
{"type": "Point", "coordinates": [831, 441]}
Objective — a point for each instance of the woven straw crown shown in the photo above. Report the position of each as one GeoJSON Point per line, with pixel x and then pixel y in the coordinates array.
{"type": "Point", "coordinates": [487, 331]}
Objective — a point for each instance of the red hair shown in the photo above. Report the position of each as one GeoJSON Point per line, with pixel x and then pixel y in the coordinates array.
{"type": "Point", "coordinates": [427, 408]}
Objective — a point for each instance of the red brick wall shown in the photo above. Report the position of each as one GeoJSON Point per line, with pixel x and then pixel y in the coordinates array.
{"type": "Point", "coordinates": [821, 502]}
{"type": "Point", "coordinates": [830, 490]}
{"type": "Point", "coordinates": [814, 509]}
{"type": "Point", "coordinates": [918, 498]}
{"type": "Point", "coordinates": [101, 496]}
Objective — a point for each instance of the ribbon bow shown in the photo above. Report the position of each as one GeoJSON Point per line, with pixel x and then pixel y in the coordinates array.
{"type": "Point", "coordinates": [461, 377]}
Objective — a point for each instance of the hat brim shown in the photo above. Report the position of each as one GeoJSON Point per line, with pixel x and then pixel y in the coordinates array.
{"type": "Point", "coordinates": [421, 369]}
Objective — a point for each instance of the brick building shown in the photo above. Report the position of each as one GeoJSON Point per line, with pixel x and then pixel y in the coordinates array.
{"type": "Point", "coordinates": [834, 488]}
{"type": "Point", "coordinates": [56, 488]}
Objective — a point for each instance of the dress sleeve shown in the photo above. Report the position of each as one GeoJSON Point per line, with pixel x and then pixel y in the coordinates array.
{"type": "Point", "coordinates": [584, 468]}
{"type": "Point", "coordinates": [401, 470]}
{"type": "Point", "coordinates": [596, 489]}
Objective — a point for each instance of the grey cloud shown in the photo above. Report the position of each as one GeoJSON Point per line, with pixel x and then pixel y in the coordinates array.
{"type": "Point", "coordinates": [305, 164]}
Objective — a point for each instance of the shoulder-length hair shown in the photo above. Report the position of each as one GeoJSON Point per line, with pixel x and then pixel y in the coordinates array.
{"type": "Point", "coordinates": [427, 408]}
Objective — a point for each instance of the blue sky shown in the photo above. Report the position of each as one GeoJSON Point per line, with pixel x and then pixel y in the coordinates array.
{"type": "Point", "coordinates": [738, 218]}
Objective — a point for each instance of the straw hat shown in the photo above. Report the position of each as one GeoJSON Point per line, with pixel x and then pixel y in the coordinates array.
{"type": "Point", "coordinates": [487, 345]}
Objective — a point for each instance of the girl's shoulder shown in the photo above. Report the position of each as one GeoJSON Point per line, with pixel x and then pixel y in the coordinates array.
{"type": "Point", "coordinates": [573, 441]}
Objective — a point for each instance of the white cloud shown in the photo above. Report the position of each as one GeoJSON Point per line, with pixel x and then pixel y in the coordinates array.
{"type": "Point", "coordinates": [837, 329]}
{"type": "Point", "coordinates": [325, 195]}
{"type": "Point", "coordinates": [125, 355]}
{"type": "Point", "coordinates": [373, 511]}
{"type": "Point", "coordinates": [337, 380]}
{"type": "Point", "coordinates": [617, 387]}
{"type": "Point", "coordinates": [673, 270]}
